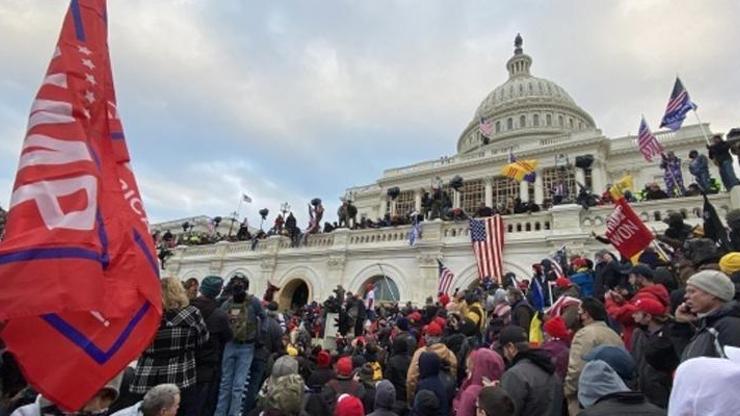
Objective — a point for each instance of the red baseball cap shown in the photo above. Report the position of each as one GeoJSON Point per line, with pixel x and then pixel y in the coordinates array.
{"type": "Point", "coordinates": [555, 327]}
{"type": "Point", "coordinates": [433, 330]}
{"type": "Point", "coordinates": [563, 282]}
{"type": "Point", "coordinates": [344, 367]}
{"type": "Point", "coordinates": [651, 306]}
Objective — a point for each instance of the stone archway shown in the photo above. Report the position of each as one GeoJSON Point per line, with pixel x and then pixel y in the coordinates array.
{"type": "Point", "coordinates": [294, 294]}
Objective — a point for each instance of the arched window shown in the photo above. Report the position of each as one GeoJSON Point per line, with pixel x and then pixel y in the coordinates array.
{"type": "Point", "coordinates": [498, 126]}
{"type": "Point", "coordinates": [522, 121]}
{"type": "Point", "coordinates": [570, 121]}
{"type": "Point", "coordinates": [560, 121]}
{"type": "Point", "coordinates": [530, 88]}
{"type": "Point", "coordinates": [510, 123]}
{"type": "Point", "coordinates": [548, 120]}
{"type": "Point", "coordinates": [536, 120]}
{"type": "Point", "coordinates": [580, 125]}
{"type": "Point", "coordinates": [385, 289]}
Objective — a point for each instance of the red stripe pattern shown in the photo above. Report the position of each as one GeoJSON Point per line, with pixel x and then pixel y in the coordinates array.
{"type": "Point", "coordinates": [648, 144]}
{"type": "Point", "coordinates": [445, 278]}
{"type": "Point", "coordinates": [487, 236]}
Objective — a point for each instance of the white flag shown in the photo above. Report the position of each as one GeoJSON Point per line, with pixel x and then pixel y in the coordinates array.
{"type": "Point", "coordinates": [246, 198]}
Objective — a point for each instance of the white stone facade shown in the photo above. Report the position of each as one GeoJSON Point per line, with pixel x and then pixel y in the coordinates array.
{"type": "Point", "coordinates": [354, 258]}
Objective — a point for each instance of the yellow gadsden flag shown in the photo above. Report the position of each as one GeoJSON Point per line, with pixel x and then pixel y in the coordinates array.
{"type": "Point", "coordinates": [519, 169]}
{"type": "Point", "coordinates": [617, 190]}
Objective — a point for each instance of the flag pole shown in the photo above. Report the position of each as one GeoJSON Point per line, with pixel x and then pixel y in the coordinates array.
{"type": "Point", "coordinates": [385, 278]}
{"type": "Point", "coordinates": [701, 126]}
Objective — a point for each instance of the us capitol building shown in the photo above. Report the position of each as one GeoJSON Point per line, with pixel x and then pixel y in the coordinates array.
{"type": "Point", "coordinates": [531, 117]}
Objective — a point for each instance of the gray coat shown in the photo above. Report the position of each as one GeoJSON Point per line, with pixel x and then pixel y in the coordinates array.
{"type": "Point", "coordinates": [533, 385]}
{"type": "Point", "coordinates": [714, 331]}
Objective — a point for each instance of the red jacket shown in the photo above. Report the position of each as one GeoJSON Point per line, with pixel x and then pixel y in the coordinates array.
{"type": "Point", "coordinates": [622, 313]}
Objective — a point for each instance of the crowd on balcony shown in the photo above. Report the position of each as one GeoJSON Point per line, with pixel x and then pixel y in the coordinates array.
{"type": "Point", "coordinates": [601, 335]}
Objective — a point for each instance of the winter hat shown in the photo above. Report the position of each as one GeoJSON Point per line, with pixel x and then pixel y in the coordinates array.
{"type": "Point", "coordinates": [348, 405]}
{"type": "Point", "coordinates": [512, 334]}
{"type": "Point", "coordinates": [426, 403]}
{"type": "Point", "coordinates": [563, 283]}
{"type": "Point", "coordinates": [555, 327]}
{"type": "Point", "coordinates": [211, 286]}
{"type": "Point", "coordinates": [344, 367]}
{"type": "Point", "coordinates": [323, 359]}
{"type": "Point", "coordinates": [596, 381]}
{"type": "Point", "coordinates": [702, 251]}
{"type": "Point", "coordinates": [291, 350]}
{"type": "Point", "coordinates": [730, 263]}
{"type": "Point", "coordinates": [642, 270]}
{"type": "Point", "coordinates": [365, 372]}
{"type": "Point", "coordinates": [284, 366]}
{"type": "Point", "coordinates": [715, 283]}
{"type": "Point", "coordinates": [617, 359]}
{"type": "Point", "coordinates": [402, 323]}
{"type": "Point", "coordinates": [286, 395]}
{"type": "Point", "coordinates": [579, 263]}
{"type": "Point", "coordinates": [433, 330]}
{"type": "Point", "coordinates": [414, 317]}
{"type": "Point", "coordinates": [499, 296]}
{"type": "Point", "coordinates": [651, 306]}
{"type": "Point", "coordinates": [385, 395]}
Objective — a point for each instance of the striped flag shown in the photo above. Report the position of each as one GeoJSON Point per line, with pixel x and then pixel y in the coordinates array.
{"type": "Point", "coordinates": [647, 142]}
{"type": "Point", "coordinates": [486, 127]}
{"type": "Point", "coordinates": [445, 278]}
{"type": "Point", "coordinates": [246, 198]}
{"type": "Point", "coordinates": [487, 236]}
{"type": "Point", "coordinates": [678, 105]}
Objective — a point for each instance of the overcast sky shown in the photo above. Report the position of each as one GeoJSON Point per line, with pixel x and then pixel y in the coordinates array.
{"type": "Point", "coordinates": [290, 100]}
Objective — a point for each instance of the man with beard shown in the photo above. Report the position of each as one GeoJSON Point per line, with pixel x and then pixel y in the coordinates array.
{"type": "Point", "coordinates": [530, 380]}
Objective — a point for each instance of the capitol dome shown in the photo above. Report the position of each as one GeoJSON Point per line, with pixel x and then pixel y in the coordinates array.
{"type": "Point", "coordinates": [523, 106]}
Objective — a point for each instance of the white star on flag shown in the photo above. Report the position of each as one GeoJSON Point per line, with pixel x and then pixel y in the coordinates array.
{"type": "Point", "coordinates": [88, 63]}
{"type": "Point", "coordinates": [83, 49]}
{"type": "Point", "coordinates": [91, 79]}
{"type": "Point", "coordinates": [89, 96]}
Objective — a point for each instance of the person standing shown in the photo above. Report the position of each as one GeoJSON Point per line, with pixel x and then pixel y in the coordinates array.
{"type": "Point", "coordinates": [699, 167]}
{"type": "Point", "coordinates": [719, 152]}
{"type": "Point", "coordinates": [593, 333]}
{"type": "Point", "coordinates": [245, 314]}
{"type": "Point", "coordinates": [672, 175]}
{"type": "Point", "coordinates": [171, 356]}
{"type": "Point", "coordinates": [208, 358]}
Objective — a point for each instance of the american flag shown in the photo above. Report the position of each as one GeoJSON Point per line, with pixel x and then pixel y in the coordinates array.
{"type": "Point", "coordinates": [678, 105]}
{"type": "Point", "coordinates": [445, 278]}
{"type": "Point", "coordinates": [647, 143]}
{"type": "Point", "coordinates": [486, 127]}
{"type": "Point", "coordinates": [487, 236]}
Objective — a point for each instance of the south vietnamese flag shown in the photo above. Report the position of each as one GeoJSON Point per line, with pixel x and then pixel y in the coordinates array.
{"type": "Point", "coordinates": [79, 279]}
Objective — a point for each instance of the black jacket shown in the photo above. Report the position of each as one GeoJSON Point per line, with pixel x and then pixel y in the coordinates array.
{"type": "Point", "coordinates": [654, 383]}
{"type": "Point", "coordinates": [607, 277]}
{"type": "Point", "coordinates": [398, 367]}
{"type": "Point", "coordinates": [271, 339]}
{"type": "Point", "coordinates": [720, 152]}
{"type": "Point", "coordinates": [725, 322]}
{"type": "Point", "coordinates": [208, 357]}
{"type": "Point", "coordinates": [631, 403]}
{"type": "Point", "coordinates": [533, 385]}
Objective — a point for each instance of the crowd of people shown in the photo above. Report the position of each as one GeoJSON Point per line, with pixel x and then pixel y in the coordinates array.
{"type": "Point", "coordinates": [579, 336]}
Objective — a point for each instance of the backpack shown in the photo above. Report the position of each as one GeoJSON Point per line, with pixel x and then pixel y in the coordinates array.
{"type": "Point", "coordinates": [242, 320]}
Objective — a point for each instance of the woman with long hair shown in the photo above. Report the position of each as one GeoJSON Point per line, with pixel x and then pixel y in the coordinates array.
{"type": "Point", "coordinates": [171, 356]}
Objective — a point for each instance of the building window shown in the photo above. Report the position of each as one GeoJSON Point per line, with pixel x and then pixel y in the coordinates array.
{"type": "Point", "coordinates": [552, 176]}
{"type": "Point", "coordinates": [588, 178]}
{"type": "Point", "coordinates": [521, 89]}
{"type": "Point", "coordinates": [522, 121]}
{"type": "Point", "coordinates": [510, 123]}
{"type": "Point", "coordinates": [498, 126]}
{"type": "Point", "coordinates": [385, 289]}
{"type": "Point", "coordinates": [536, 120]}
{"type": "Point", "coordinates": [405, 203]}
{"type": "Point", "coordinates": [560, 121]}
{"type": "Point", "coordinates": [472, 194]}
{"type": "Point", "coordinates": [504, 191]}
{"type": "Point", "coordinates": [531, 90]}
{"type": "Point", "coordinates": [570, 121]}
{"type": "Point", "coordinates": [580, 125]}
{"type": "Point", "coordinates": [548, 120]}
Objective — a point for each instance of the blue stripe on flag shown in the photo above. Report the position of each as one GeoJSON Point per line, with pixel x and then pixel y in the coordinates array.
{"type": "Point", "coordinates": [74, 7]}
{"type": "Point", "coordinates": [50, 253]}
{"type": "Point", "coordinates": [117, 135]}
{"type": "Point", "coordinates": [79, 339]}
{"type": "Point", "coordinates": [142, 245]}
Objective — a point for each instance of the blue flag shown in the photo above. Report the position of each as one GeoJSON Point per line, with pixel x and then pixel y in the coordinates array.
{"type": "Point", "coordinates": [678, 106]}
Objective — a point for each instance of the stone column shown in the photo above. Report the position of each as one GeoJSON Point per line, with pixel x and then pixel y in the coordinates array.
{"type": "Point", "coordinates": [488, 183]}
{"type": "Point", "coordinates": [393, 208]}
{"type": "Point", "coordinates": [456, 197]}
{"type": "Point", "coordinates": [598, 178]}
{"type": "Point", "coordinates": [417, 200]}
{"type": "Point", "coordinates": [539, 189]}
{"type": "Point", "coordinates": [524, 191]}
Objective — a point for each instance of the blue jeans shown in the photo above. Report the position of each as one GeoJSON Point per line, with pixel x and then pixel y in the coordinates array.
{"type": "Point", "coordinates": [234, 372]}
{"type": "Point", "coordinates": [727, 173]}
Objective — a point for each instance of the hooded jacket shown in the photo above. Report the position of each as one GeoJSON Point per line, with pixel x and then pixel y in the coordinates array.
{"type": "Point", "coordinates": [559, 352]}
{"type": "Point", "coordinates": [533, 385]}
{"type": "Point", "coordinates": [208, 357]}
{"type": "Point", "coordinates": [484, 363]}
{"type": "Point", "coordinates": [429, 379]}
{"type": "Point", "coordinates": [654, 383]}
{"type": "Point", "coordinates": [586, 339]}
{"type": "Point", "coordinates": [398, 367]}
{"type": "Point", "coordinates": [385, 399]}
{"type": "Point", "coordinates": [623, 313]}
{"type": "Point", "coordinates": [412, 376]}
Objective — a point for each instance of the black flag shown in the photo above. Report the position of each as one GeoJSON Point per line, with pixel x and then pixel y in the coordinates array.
{"type": "Point", "coordinates": [713, 227]}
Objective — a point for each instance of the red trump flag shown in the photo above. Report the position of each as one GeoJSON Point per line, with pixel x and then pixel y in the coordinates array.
{"type": "Point", "coordinates": [626, 231]}
{"type": "Point", "coordinates": [79, 280]}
